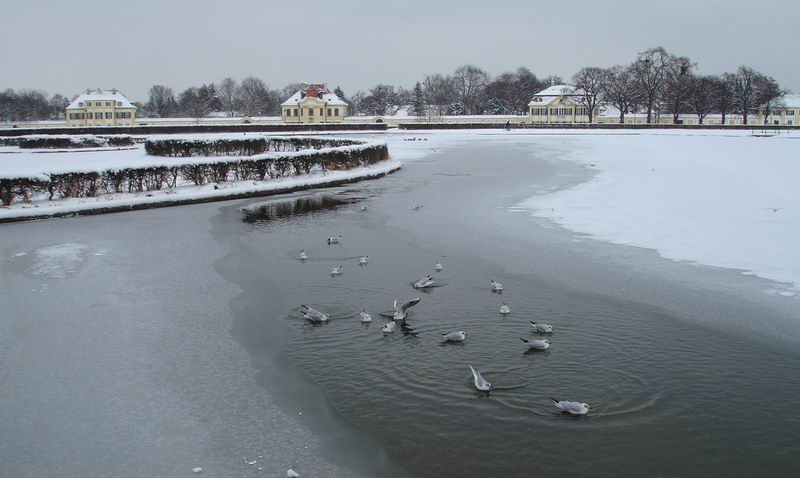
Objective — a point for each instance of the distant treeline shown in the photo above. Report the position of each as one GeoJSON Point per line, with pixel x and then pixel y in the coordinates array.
{"type": "Point", "coordinates": [655, 82]}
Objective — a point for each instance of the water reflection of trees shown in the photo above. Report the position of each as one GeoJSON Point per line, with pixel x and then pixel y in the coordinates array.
{"type": "Point", "coordinates": [279, 210]}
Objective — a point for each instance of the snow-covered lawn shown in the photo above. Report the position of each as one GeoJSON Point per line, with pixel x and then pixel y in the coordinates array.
{"type": "Point", "coordinates": [729, 201]}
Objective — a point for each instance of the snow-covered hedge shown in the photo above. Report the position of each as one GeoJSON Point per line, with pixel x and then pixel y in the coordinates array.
{"type": "Point", "coordinates": [199, 171]}
{"type": "Point", "coordinates": [188, 147]}
{"type": "Point", "coordinates": [69, 142]}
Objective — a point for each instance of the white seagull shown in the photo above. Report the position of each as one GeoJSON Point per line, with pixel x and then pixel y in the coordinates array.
{"type": "Point", "coordinates": [438, 266]}
{"type": "Point", "coordinates": [542, 328]}
{"type": "Point", "coordinates": [480, 383]}
{"type": "Point", "coordinates": [290, 473]}
{"type": "Point", "coordinates": [426, 281]}
{"type": "Point", "coordinates": [314, 315]}
{"type": "Point", "coordinates": [335, 271]}
{"type": "Point", "coordinates": [365, 317]}
{"type": "Point", "coordinates": [504, 309]}
{"type": "Point", "coordinates": [363, 208]}
{"type": "Point", "coordinates": [401, 312]}
{"type": "Point", "coordinates": [363, 260]}
{"type": "Point", "coordinates": [388, 328]}
{"type": "Point", "coordinates": [496, 286]}
{"type": "Point", "coordinates": [537, 344]}
{"type": "Point", "coordinates": [302, 256]}
{"type": "Point", "coordinates": [572, 408]}
{"type": "Point", "coordinates": [457, 336]}
{"type": "Point", "coordinates": [334, 240]}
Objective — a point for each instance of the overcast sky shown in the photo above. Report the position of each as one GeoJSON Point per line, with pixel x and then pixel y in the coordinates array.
{"type": "Point", "coordinates": [67, 46]}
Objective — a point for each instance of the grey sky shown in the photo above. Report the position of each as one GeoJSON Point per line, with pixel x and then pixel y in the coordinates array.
{"type": "Point", "coordinates": [67, 46]}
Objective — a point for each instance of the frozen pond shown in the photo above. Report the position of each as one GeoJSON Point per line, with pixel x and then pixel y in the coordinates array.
{"type": "Point", "coordinates": [149, 343]}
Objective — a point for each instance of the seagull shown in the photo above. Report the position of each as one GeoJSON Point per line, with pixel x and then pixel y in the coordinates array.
{"type": "Point", "coordinates": [401, 312]}
{"type": "Point", "coordinates": [335, 271]}
{"type": "Point", "coordinates": [572, 408]}
{"type": "Point", "coordinates": [496, 286]}
{"type": "Point", "coordinates": [480, 383]}
{"type": "Point", "coordinates": [438, 266]}
{"type": "Point", "coordinates": [426, 281]}
{"type": "Point", "coordinates": [363, 208]}
{"type": "Point", "coordinates": [775, 209]}
{"type": "Point", "coordinates": [388, 328]}
{"type": "Point", "coordinates": [458, 336]}
{"type": "Point", "coordinates": [365, 317]}
{"type": "Point", "coordinates": [302, 256]}
{"type": "Point", "coordinates": [334, 240]}
{"type": "Point", "coordinates": [363, 260]}
{"type": "Point", "coordinates": [314, 315]}
{"type": "Point", "coordinates": [416, 207]}
{"type": "Point", "coordinates": [542, 328]}
{"type": "Point", "coordinates": [537, 344]}
{"type": "Point", "coordinates": [290, 473]}
{"type": "Point", "coordinates": [504, 309]}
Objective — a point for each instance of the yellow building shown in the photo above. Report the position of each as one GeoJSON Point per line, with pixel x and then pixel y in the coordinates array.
{"type": "Point", "coordinates": [786, 113]}
{"type": "Point", "coordinates": [558, 104]}
{"type": "Point", "coordinates": [313, 104]}
{"type": "Point", "coordinates": [101, 108]}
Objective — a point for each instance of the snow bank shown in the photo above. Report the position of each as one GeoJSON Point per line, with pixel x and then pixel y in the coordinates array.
{"type": "Point", "coordinates": [727, 201]}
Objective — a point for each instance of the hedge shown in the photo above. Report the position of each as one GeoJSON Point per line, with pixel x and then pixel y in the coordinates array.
{"type": "Point", "coordinates": [184, 148]}
{"type": "Point", "coordinates": [69, 142]}
{"type": "Point", "coordinates": [213, 170]}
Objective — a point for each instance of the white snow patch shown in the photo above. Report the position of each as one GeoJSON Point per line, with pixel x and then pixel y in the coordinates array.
{"type": "Point", "coordinates": [59, 260]}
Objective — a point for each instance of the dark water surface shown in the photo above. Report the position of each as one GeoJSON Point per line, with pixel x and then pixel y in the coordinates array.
{"type": "Point", "coordinates": [671, 396]}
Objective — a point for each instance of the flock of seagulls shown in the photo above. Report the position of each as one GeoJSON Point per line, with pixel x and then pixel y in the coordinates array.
{"type": "Point", "coordinates": [400, 314]}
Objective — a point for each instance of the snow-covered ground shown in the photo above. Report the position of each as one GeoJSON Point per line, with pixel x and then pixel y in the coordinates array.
{"type": "Point", "coordinates": [728, 201]}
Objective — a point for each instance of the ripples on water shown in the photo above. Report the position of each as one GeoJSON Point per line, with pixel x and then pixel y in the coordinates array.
{"type": "Point", "coordinates": [654, 382]}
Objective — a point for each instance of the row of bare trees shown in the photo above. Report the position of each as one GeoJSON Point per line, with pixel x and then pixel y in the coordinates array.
{"type": "Point", "coordinates": [658, 82]}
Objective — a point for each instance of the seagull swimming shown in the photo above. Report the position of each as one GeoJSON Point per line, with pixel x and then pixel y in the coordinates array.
{"type": "Point", "coordinates": [537, 344]}
{"type": "Point", "coordinates": [504, 309]}
{"type": "Point", "coordinates": [496, 286]}
{"type": "Point", "coordinates": [438, 266]}
{"type": "Point", "coordinates": [365, 317]}
{"type": "Point", "coordinates": [302, 256]}
{"type": "Point", "coordinates": [335, 271]}
{"type": "Point", "coordinates": [542, 328]}
{"type": "Point", "coordinates": [426, 281]}
{"type": "Point", "coordinates": [388, 328]}
{"type": "Point", "coordinates": [480, 383]}
{"type": "Point", "coordinates": [457, 336]}
{"type": "Point", "coordinates": [401, 312]}
{"type": "Point", "coordinates": [314, 315]}
{"type": "Point", "coordinates": [363, 260]}
{"type": "Point", "coordinates": [334, 240]}
{"type": "Point", "coordinates": [572, 408]}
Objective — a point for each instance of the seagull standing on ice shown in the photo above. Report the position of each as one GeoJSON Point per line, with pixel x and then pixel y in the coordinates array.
{"type": "Point", "coordinates": [504, 309]}
{"type": "Point", "coordinates": [457, 336]}
{"type": "Point", "coordinates": [572, 408]}
{"type": "Point", "coordinates": [363, 260]}
{"type": "Point", "coordinates": [537, 344]}
{"type": "Point", "coordinates": [480, 383]}
{"type": "Point", "coordinates": [438, 266]}
{"type": "Point", "coordinates": [401, 312]}
{"type": "Point", "coordinates": [426, 281]}
{"type": "Point", "coordinates": [496, 286]}
{"type": "Point", "coordinates": [314, 315]}
{"type": "Point", "coordinates": [334, 240]}
{"type": "Point", "coordinates": [302, 256]}
{"type": "Point", "coordinates": [542, 328]}
{"type": "Point", "coordinates": [365, 317]}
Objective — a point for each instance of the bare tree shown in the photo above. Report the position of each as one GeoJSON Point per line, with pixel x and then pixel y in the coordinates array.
{"type": "Point", "coordinates": [649, 70]}
{"type": "Point", "coordinates": [621, 90]}
{"type": "Point", "coordinates": [770, 94]}
{"type": "Point", "coordinates": [470, 84]}
{"type": "Point", "coordinates": [723, 94]}
{"type": "Point", "coordinates": [161, 102]}
{"type": "Point", "coordinates": [590, 83]}
{"type": "Point", "coordinates": [228, 93]}
{"type": "Point", "coordinates": [702, 96]}
{"type": "Point", "coordinates": [256, 99]}
{"type": "Point", "coordinates": [439, 92]}
{"type": "Point", "coordinates": [677, 86]}
{"type": "Point", "coordinates": [744, 84]}
{"type": "Point", "coordinates": [194, 103]}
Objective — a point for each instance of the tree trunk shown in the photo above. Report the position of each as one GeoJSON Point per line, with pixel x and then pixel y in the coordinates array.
{"type": "Point", "coordinates": [723, 117]}
{"type": "Point", "coordinates": [621, 117]}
